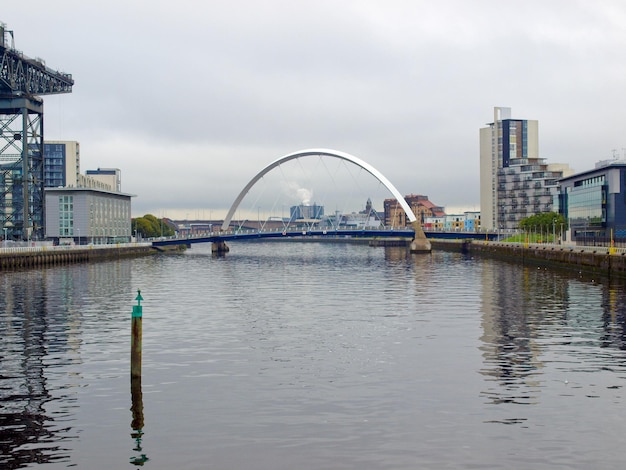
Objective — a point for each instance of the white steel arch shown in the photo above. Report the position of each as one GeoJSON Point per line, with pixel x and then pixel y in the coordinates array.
{"type": "Point", "coordinates": [327, 152]}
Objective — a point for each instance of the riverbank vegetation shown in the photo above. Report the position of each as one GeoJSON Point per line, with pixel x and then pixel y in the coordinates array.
{"type": "Point", "coordinates": [547, 227]}
{"type": "Point", "coordinates": [149, 226]}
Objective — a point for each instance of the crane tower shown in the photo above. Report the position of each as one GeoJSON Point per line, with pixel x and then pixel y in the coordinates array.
{"type": "Point", "coordinates": [22, 81]}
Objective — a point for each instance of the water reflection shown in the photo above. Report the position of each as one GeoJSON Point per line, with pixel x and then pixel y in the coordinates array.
{"type": "Point", "coordinates": [136, 424]}
{"type": "Point", "coordinates": [312, 356]}
{"type": "Point", "coordinates": [27, 431]}
{"type": "Point", "coordinates": [42, 331]}
{"type": "Point", "coordinates": [536, 318]}
{"type": "Point", "coordinates": [614, 318]}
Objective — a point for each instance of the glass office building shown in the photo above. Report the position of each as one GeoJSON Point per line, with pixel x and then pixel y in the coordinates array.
{"type": "Point", "coordinates": [594, 202]}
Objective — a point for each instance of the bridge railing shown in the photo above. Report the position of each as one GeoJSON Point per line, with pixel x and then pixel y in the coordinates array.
{"type": "Point", "coordinates": [242, 231]}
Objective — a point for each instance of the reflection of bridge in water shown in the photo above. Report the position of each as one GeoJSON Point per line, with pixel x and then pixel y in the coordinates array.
{"type": "Point", "coordinates": [414, 232]}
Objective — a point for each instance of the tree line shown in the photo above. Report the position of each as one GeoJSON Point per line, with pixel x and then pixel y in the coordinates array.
{"type": "Point", "coordinates": [149, 226]}
{"type": "Point", "coordinates": [544, 222]}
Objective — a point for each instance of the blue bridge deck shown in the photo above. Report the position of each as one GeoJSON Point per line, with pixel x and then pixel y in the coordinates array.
{"type": "Point", "coordinates": [242, 235]}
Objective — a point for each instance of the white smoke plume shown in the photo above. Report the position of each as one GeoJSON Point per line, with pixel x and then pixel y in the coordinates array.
{"type": "Point", "coordinates": [295, 191]}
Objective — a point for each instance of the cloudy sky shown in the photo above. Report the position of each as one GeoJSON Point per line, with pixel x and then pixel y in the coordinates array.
{"type": "Point", "coordinates": [190, 99]}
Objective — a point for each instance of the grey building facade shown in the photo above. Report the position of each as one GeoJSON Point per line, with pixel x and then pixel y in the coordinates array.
{"type": "Point", "coordinates": [84, 215]}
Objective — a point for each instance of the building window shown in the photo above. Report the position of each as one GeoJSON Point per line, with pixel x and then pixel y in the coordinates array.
{"type": "Point", "coordinates": [66, 216]}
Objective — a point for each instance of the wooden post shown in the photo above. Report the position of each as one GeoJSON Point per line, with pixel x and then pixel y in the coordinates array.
{"type": "Point", "coordinates": [135, 341]}
{"type": "Point", "coordinates": [135, 382]}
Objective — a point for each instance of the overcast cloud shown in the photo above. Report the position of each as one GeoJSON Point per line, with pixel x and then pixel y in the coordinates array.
{"type": "Point", "coordinates": [191, 99]}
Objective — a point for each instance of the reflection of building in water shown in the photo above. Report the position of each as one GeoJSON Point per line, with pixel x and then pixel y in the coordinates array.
{"type": "Point", "coordinates": [42, 320]}
{"type": "Point", "coordinates": [590, 327]}
{"type": "Point", "coordinates": [523, 305]}
{"type": "Point", "coordinates": [513, 309]}
{"type": "Point", "coordinates": [24, 329]}
{"type": "Point", "coordinates": [614, 318]}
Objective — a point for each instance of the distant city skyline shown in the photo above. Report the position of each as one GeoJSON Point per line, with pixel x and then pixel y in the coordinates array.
{"type": "Point", "coordinates": [189, 101]}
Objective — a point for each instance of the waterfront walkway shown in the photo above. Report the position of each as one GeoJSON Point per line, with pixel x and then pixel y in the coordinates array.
{"type": "Point", "coordinates": [46, 254]}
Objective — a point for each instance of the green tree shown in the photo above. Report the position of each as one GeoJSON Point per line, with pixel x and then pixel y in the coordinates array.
{"type": "Point", "coordinates": [149, 226]}
{"type": "Point", "coordinates": [546, 222]}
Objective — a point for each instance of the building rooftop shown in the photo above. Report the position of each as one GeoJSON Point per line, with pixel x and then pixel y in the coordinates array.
{"type": "Point", "coordinates": [93, 190]}
{"type": "Point", "coordinates": [601, 165]}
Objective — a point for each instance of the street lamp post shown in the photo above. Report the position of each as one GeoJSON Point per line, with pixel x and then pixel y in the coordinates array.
{"type": "Point", "coordinates": [78, 236]}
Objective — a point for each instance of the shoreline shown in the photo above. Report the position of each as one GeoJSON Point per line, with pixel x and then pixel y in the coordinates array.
{"type": "Point", "coordinates": [590, 259]}
{"type": "Point", "coordinates": [42, 256]}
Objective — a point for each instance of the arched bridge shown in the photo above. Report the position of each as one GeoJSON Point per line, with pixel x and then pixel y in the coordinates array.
{"type": "Point", "coordinates": [219, 239]}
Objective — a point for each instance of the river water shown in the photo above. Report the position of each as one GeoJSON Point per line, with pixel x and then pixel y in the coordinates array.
{"type": "Point", "coordinates": [312, 356]}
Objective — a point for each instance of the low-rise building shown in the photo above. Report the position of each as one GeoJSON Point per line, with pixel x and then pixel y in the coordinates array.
{"type": "Point", "coordinates": [469, 221]}
{"type": "Point", "coordinates": [85, 215]}
{"type": "Point", "coordinates": [421, 207]}
{"type": "Point", "coordinates": [472, 221]}
{"type": "Point", "coordinates": [454, 223]}
{"type": "Point", "coordinates": [594, 203]}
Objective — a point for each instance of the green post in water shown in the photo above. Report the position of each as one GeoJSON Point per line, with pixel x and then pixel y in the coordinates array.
{"type": "Point", "coordinates": [135, 341]}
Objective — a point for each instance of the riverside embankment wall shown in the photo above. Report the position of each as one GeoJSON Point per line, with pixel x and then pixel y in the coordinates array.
{"type": "Point", "coordinates": [32, 257]}
{"type": "Point", "coordinates": [599, 260]}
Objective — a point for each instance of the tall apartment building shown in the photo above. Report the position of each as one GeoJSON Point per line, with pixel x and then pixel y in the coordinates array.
{"type": "Point", "coordinates": [62, 169]}
{"type": "Point", "coordinates": [61, 164]}
{"type": "Point", "coordinates": [515, 182]}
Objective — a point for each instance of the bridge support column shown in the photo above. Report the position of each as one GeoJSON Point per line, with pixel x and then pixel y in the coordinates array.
{"type": "Point", "coordinates": [219, 247]}
{"type": "Point", "coordinates": [420, 243]}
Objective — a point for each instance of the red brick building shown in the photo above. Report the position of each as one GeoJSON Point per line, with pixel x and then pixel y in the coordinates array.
{"type": "Point", "coordinates": [420, 205]}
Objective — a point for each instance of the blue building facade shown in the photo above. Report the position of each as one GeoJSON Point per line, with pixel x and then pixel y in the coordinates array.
{"type": "Point", "coordinates": [594, 203]}
{"type": "Point", "coordinates": [54, 165]}
{"type": "Point", "coordinates": [305, 211]}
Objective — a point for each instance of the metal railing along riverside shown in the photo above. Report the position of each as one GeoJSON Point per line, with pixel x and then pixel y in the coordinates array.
{"type": "Point", "coordinates": [66, 248]}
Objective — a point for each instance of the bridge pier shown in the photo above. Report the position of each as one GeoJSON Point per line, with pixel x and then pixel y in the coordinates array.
{"type": "Point", "coordinates": [420, 243]}
{"type": "Point", "coordinates": [219, 247]}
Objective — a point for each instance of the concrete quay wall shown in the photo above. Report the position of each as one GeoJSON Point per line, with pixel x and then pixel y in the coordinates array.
{"type": "Point", "coordinates": [600, 260]}
{"type": "Point", "coordinates": [33, 257]}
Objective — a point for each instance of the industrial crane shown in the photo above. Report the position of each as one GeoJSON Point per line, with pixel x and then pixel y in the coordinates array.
{"type": "Point", "coordinates": [22, 81]}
